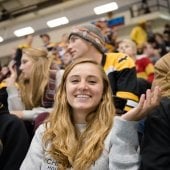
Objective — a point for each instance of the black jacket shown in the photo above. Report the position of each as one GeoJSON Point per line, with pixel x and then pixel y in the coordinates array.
{"type": "Point", "coordinates": [155, 149]}
{"type": "Point", "coordinates": [15, 141]}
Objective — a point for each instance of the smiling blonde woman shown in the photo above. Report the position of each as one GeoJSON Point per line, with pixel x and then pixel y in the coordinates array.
{"type": "Point", "coordinates": [83, 132]}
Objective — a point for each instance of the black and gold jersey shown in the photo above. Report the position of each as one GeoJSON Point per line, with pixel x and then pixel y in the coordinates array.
{"type": "Point", "coordinates": [121, 72]}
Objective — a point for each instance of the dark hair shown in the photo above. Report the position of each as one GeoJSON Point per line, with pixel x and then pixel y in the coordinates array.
{"type": "Point", "coordinates": [17, 58]}
{"type": "Point", "coordinates": [45, 35]}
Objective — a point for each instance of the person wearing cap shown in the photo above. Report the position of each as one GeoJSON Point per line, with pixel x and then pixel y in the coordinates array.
{"type": "Point", "coordinates": [155, 150]}
{"type": "Point", "coordinates": [86, 40]}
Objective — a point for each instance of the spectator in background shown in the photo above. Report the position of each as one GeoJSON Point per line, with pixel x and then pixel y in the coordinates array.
{"type": "Point", "coordinates": [4, 73]}
{"type": "Point", "coordinates": [151, 52]}
{"type": "Point", "coordinates": [48, 45]}
{"type": "Point", "coordinates": [109, 34]}
{"type": "Point", "coordinates": [62, 46]}
{"type": "Point", "coordinates": [155, 151]}
{"type": "Point", "coordinates": [35, 66]}
{"type": "Point", "coordinates": [149, 30]}
{"type": "Point", "coordinates": [166, 36]}
{"type": "Point", "coordinates": [144, 66]}
{"type": "Point", "coordinates": [27, 42]}
{"type": "Point", "coordinates": [64, 41]}
{"type": "Point", "coordinates": [167, 28]}
{"type": "Point", "coordinates": [103, 26]}
{"type": "Point", "coordinates": [88, 41]}
{"type": "Point", "coordinates": [139, 35]}
{"type": "Point", "coordinates": [61, 49]}
{"type": "Point", "coordinates": [53, 48]}
{"type": "Point", "coordinates": [83, 132]}
{"type": "Point", "coordinates": [67, 58]}
{"type": "Point", "coordinates": [160, 42]}
{"type": "Point", "coordinates": [37, 85]}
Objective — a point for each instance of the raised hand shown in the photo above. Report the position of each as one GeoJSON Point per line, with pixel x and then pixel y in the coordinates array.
{"type": "Point", "coordinates": [147, 102]}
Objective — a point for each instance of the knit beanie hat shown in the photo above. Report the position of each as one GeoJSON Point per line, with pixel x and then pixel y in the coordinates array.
{"type": "Point", "coordinates": [90, 33]}
{"type": "Point", "coordinates": [162, 75]}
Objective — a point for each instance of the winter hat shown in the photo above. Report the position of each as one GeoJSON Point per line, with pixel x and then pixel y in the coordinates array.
{"type": "Point", "coordinates": [162, 75]}
{"type": "Point", "coordinates": [91, 33]}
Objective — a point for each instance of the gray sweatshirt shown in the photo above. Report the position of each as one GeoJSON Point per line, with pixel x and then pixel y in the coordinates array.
{"type": "Point", "coordinates": [120, 150]}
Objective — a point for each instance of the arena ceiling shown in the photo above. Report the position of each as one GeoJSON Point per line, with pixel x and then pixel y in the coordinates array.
{"type": "Point", "coordinates": [14, 8]}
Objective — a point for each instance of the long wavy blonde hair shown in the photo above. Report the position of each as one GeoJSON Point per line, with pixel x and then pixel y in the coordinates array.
{"type": "Point", "coordinates": [66, 145]}
{"type": "Point", "coordinates": [32, 90]}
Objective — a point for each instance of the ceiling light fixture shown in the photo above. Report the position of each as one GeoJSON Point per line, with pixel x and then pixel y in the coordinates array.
{"type": "Point", "coordinates": [1, 39]}
{"type": "Point", "coordinates": [105, 8]}
{"type": "Point", "coordinates": [24, 31]}
{"type": "Point", "coordinates": [57, 22]}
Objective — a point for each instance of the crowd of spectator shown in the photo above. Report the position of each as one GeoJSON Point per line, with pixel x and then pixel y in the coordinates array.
{"type": "Point", "coordinates": [31, 93]}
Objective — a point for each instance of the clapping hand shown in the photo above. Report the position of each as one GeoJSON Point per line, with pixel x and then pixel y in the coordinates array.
{"type": "Point", "coordinates": [146, 103]}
